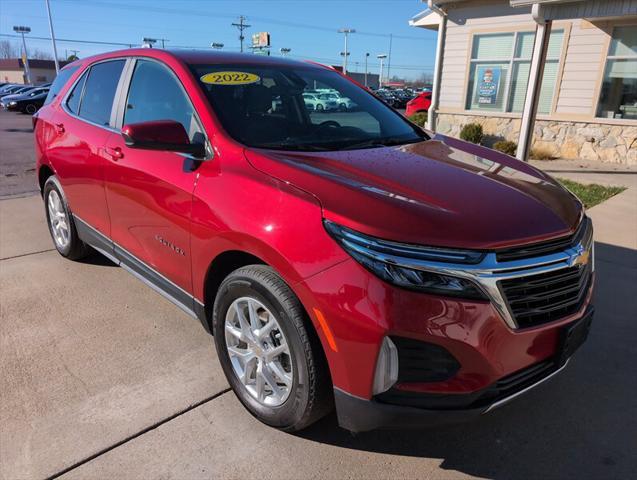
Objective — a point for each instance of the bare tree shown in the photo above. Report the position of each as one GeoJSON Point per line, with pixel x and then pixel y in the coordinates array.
{"type": "Point", "coordinates": [8, 49]}
{"type": "Point", "coordinates": [38, 54]}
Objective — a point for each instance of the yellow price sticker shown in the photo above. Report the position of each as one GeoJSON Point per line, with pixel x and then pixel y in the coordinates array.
{"type": "Point", "coordinates": [230, 78]}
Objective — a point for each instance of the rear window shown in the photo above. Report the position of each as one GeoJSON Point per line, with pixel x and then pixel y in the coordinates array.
{"type": "Point", "coordinates": [99, 91]}
{"type": "Point", "coordinates": [59, 83]}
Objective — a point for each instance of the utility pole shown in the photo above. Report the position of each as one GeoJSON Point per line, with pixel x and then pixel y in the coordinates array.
{"type": "Point", "coordinates": [27, 71]}
{"type": "Point", "coordinates": [366, 57]}
{"type": "Point", "coordinates": [381, 57]}
{"type": "Point", "coordinates": [241, 26]}
{"type": "Point", "coordinates": [389, 57]}
{"type": "Point", "coordinates": [346, 32]}
{"type": "Point", "coordinates": [55, 50]}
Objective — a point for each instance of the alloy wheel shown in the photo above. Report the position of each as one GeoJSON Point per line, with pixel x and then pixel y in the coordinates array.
{"type": "Point", "coordinates": [58, 219]}
{"type": "Point", "coordinates": [258, 351]}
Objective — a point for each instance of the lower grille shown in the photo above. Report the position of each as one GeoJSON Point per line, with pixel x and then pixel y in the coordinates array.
{"type": "Point", "coordinates": [546, 297]}
{"type": "Point", "coordinates": [423, 362]}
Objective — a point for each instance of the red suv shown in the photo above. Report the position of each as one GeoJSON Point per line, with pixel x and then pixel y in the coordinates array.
{"type": "Point", "coordinates": [421, 103]}
{"type": "Point", "coordinates": [343, 258]}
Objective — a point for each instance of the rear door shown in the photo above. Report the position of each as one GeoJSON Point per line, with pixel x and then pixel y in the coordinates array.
{"type": "Point", "coordinates": [83, 123]}
{"type": "Point", "coordinates": [149, 192]}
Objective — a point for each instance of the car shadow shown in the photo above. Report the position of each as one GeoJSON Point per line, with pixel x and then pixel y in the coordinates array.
{"type": "Point", "coordinates": [581, 424]}
{"type": "Point", "coordinates": [96, 258]}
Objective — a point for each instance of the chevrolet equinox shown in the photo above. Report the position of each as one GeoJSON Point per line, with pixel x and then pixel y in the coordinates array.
{"type": "Point", "coordinates": [341, 259]}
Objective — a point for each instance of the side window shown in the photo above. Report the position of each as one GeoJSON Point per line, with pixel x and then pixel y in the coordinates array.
{"type": "Point", "coordinates": [59, 83]}
{"type": "Point", "coordinates": [155, 94]}
{"type": "Point", "coordinates": [73, 101]}
{"type": "Point", "coordinates": [99, 91]}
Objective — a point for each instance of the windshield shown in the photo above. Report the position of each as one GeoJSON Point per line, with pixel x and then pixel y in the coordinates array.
{"type": "Point", "coordinates": [300, 108]}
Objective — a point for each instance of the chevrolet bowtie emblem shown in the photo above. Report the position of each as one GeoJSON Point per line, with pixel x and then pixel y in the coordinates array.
{"type": "Point", "coordinates": [582, 258]}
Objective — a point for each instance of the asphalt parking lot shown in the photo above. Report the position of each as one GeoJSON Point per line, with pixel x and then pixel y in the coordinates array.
{"type": "Point", "coordinates": [103, 378]}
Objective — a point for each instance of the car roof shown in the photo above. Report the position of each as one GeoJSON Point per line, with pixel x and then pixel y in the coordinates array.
{"type": "Point", "coordinates": [210, 57]}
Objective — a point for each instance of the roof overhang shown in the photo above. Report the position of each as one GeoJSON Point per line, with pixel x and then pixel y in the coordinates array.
{"type": "Point", "coordinates": [526, 3]}
{"type": "Point", "coordinates": [427, 19]}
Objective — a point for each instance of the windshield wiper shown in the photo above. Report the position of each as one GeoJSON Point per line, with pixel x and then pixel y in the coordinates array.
{"type": "Point", "coordinates": [381, 142]}
{"type": "Point", "coordinates": [291, 145]}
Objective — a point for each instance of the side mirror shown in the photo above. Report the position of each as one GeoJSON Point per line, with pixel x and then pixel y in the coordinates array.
{"type": "Point", "coordinates": [166, 135]}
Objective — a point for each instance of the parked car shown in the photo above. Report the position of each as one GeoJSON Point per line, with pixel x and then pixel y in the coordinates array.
{"type": "Point", "coordinates": [366, 264]}
{"type": "Point", "coordinates": [29, 102]}
{"type": "Point", "coordinates": [316, 102]}
{"type": "Point", "coordinates": [15, 90]}
{"type": "Point", "coordinates": [340, 102]}
{"type": "Point", "coordinates": [419, 104]}
{"type": "Point", "coordinates": [386, 97]}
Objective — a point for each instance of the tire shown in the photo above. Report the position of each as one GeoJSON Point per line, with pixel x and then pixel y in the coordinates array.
{"type": "Point", "coordinates": [30, 109]}
{"type": "Point", "coordinates": [309, 395]}
{"type": "Point", "coordinates": [69, 245]}
{"type": "Point", "coordinates": [319, 107]}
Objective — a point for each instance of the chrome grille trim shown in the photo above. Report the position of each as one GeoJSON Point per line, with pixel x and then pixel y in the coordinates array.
{"type": "Point", "coordinates": [488, 273]}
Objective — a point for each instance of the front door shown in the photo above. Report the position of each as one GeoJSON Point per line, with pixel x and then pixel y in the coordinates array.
{"type": "Point", "coordinates": [149, 192]}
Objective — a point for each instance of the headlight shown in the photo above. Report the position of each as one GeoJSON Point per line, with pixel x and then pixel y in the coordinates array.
{"type": "Point", "coordinates": [13, 103]}
{"type": "Point", "coordinates": [410, 266]}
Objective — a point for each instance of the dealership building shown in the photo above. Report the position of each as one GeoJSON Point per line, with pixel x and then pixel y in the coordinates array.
{"type": "Point", "coordinates": [557, 75]}
{"type": "Point", "coordinates": [42, 71]}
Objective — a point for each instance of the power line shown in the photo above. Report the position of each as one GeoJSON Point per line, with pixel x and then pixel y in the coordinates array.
{"type": "Point", "coordinates": [274, 21]}
{"type": "Point", "coordinates": [330, 61]}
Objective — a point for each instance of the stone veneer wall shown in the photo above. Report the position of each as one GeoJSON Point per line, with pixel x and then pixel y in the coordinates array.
{"type": "Point", "coordinates": [572, 140]}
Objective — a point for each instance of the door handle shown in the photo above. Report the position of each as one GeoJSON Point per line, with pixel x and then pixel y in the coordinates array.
{"type": "Point", "coordinates": [59, 128]}
{"type": "Point", "coordinates": [115, 153]}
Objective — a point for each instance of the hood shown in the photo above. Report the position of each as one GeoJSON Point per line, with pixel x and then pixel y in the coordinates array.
{"type": "Point", "coordinates": [440, 192]}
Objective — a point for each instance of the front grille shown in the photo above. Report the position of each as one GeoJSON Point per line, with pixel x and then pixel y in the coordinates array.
{"type": "Point", "coordinates": [546, 248]}
{"type": "Point", "coordinates": [546, 297]}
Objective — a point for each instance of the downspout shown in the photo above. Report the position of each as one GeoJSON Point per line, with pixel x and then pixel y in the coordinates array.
{"type": "Point", "coordinates": [536, 73]}
{"type": "Point", "coordinates": [440, 47]}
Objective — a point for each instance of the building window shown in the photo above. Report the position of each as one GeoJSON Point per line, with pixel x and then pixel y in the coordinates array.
{"type": "Point", "coordinates": [618, 97]}
{"type": "Point", "coordinates": [499, 72]}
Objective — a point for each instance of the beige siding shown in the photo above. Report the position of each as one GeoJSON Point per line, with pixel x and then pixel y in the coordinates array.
{"type": "Point", "coordinates": [462, 21]}
{"type": "Point", "coordinates": [585, 58]}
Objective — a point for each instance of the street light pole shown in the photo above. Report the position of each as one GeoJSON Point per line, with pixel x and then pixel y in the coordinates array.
{"type": "Point", "coordinates": [55, 50]}
{"type": "Point", "coordinates": [366, 57]}
{"type": "Point", "coordinates": [27, 71]}
{"type": "Point", "coordinates": [346, 32]}
{"type": "Point", "coordinates": [380, 78]}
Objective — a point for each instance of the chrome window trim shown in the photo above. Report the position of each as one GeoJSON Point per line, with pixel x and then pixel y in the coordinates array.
{"type": "Point", "coordinates": [487, 273]}
{"type": "Point", "coordinates": [86, 71]}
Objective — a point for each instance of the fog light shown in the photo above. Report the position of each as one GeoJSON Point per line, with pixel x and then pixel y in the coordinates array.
{"type": "Point", "coordinates": [386, 367]}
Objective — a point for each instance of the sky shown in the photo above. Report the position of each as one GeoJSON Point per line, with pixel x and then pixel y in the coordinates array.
{"type": "Point", "coordinates": [308, 27]}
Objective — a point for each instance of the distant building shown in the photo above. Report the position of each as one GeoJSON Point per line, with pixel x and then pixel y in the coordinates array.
{"type": "Point", "coordinates": [557, 75]}
{"type": "Point", "coordinates": [42, 71]}
{"type": "Point", "coordinates": [372, 78]}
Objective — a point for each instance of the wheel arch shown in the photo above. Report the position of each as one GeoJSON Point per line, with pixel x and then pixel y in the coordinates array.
{"type": "Point", "coordinates": [43, 175]}
{"type": "Point", "coordinates": [230, 260]}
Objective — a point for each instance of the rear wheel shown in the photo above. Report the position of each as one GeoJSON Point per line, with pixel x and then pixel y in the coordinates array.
{"type": "Point", "coordinates": [30, 109]}
{"type": "Point", "coordinates": [272, 361]}
{"type": "Point", "coordinates": [319, 107]}
{"type": "Point", "coordinates": [60, 222]}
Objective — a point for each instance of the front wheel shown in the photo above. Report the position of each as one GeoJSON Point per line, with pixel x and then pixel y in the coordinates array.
{"type": "Point", "coordinates": [30, 109]}
{"type": "Point", "coordinates": [268, 352]}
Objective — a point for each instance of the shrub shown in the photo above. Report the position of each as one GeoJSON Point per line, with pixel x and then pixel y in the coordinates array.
{"type": "Point", "coordinates": [506, 146]}
{"type": "Point", "coordinates": [539, 153]}
{"type": "Point", "coordinates": [419, 118]}
{"type": "Point", "coordinates": [472, 132]}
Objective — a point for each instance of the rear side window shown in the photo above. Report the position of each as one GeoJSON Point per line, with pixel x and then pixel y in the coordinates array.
{"type": "Point", "coordinates": [73, 101]}
{"type": "Point", "coordinates": [99, 91]}
{"type": "Point", "coordinates": [59, 83]}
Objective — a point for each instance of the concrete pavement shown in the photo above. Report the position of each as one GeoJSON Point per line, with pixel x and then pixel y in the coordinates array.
{"type": "Point", "coordinates": [100, 376]}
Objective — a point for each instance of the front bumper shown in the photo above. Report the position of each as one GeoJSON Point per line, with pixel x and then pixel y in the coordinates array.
{"type": "Point", "coordinates": [359, 415]}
